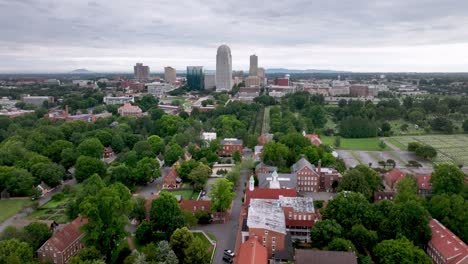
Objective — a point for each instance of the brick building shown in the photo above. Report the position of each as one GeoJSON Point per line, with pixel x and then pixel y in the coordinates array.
{"type": "Point", "coordinates": [130, 110]}
{"type": "Point", "coordinates": [229, 146]}
{"type": "Point", "coordinates": [64, 244]}
{"type": "Point", "coordinates": [196, 205]}
{"type": "Point", "coordinates": [252, 252]}
{"type": "Point", "coordinates": [392, 177]}
{"type": "Point", "coordinates": [304, 256]}
{"type": "Point", "coordinates": [445, 247]}
{"type": "Point", "coordinates": [359, 90]}
{"type": "Point", "coordinates": [171, 180]}
{"type": "Point", "coordinates": [264, 138]}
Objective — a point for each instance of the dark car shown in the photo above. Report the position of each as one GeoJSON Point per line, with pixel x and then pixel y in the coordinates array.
{"type": "Point", "coordinates": [227, 259]}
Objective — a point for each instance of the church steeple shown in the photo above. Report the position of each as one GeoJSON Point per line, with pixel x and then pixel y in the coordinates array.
{"type": "Point", "coordinates": [251, 183]}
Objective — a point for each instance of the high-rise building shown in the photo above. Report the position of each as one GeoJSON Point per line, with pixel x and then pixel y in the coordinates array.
{"type": "Point", "coordinates": [210, 81]}
{"type": "Point", "coordinates": [253, 71]}
{"type": "Point", "coordinates": [170, 74]}
{"type": "Point", "coordinates": [261, 75]}
{"type": "Point", "coordinates": [223, 69]}
{"type": "Point", "coordinates": [141, 72]}
{"type": "Point", "coordinates": [195, 78]}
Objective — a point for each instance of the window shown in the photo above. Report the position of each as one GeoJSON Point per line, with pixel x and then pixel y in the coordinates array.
{"type": "Point", "coordinates": [310, 217]}
{"type": "Point", "coordinates": [273, 240]}
{"type": "Point", "coordinates": [266, 232]}
{"type": "Point", "coordinates": [264, 240]}
{"type": "Point", "coordinates": [273, 248]}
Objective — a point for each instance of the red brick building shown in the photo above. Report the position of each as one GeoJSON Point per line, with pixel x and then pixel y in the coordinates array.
{"type": "Point", "coordinates": [264, 138]}
{"type": "Point", "coordinates": [171, 180]}
{"type": "Point", "coordinates": [424, 184]}
{"type": "Point", "coordinates": [304, 256]}
{"type": "Point", "coordinates": [308, 180]}
{"type": "Point", "coordinates": [444, 247]}
{"type": "Point", "coordinates": [252, 252]}
{"type": "Point", "coordinates": [64, 244]}
{"type": "Point", "coordinates": [281, 81]}
{"type": "Point", "coordinates": [359, 90]}
{"type": "Point", "coordinates": [196, 205]}
{"type": "Point", "coordinates": [314, 139]}
{"type": "Point", "coordinates": [392, 177]}
{"type": "Point", "coordinates": [229, 146]}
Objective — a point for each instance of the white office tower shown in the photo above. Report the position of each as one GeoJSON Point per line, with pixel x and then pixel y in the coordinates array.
{"type": "Point", "coordinates": [223, 69]}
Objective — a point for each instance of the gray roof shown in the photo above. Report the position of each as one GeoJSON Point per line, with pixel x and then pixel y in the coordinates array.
{"type": "Point", "coordinates": [231, 141]}
{"type": "Point", "coordinates": [266, 214]}
{"type": "Point", "coordinates": [301, 164]}
{"type": "Point", "coordinates": [287, 180]}
{"type": "Point", "coordinates": [270, 168]}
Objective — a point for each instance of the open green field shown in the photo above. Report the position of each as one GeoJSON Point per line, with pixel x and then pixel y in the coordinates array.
{"type": "Point", "coordinates": [450, 148]}
{"type": "Point", "coordinates": [186, 194]}
{"type": "Point", "coordinates": [10, 207]}
{"type": "Point", "coordinates": [206, 243]}
{"type": "Point", "coordinates": [355, 143]}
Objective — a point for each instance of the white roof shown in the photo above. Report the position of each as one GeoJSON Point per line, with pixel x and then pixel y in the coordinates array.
{"type": "Point", "coordinates": [266, 214]}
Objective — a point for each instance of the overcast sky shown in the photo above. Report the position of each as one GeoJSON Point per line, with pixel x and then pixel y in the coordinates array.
{"type": "Point", "coordinates": [112, 35]}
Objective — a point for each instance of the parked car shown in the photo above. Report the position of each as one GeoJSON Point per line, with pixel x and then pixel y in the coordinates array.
{"type": "Point", "coordinates": [229, 253]}
{"type": "Point", "coordinates": [227, 259]}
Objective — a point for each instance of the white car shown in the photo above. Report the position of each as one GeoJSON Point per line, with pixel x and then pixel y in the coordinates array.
{"type": "Point", "coordinates": [229, 252]}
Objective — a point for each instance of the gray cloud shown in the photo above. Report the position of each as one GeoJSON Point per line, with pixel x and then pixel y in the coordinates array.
{"type": "Point", "coordinates": [55, 35]}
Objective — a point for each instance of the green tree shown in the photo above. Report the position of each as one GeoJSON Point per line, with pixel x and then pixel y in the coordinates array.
{"type": "Point", "coordinates": [341, 244]}
{"type": "Point", "coordinates": [180, 241]}
{"type": "Point", "coordinates": [50, 173]}
{"type": "Point", "coordinates": [407, 190]}
{"type": "Point", "coordinates": [35, 234]}
{"type": "Point", "coordinates": [54, 150]}
{"type": "Point", "coordinates": [13, 251]}
{"type": "Point", "coordinates": [143, 149]}
{"type": "Point", "coordinates": [382, 145]}
{"type": "Point", "coordinates": [164, 253]}
{"type": "Point", "coordinates": [105, 137]}
{"type": "Point", "coordinates": [465, 126]}
{"type": "Point", "coordinates": [91, 147]}
{"type": "Point", "coordinates": [199, 176]}
{"type": "Point", "coordinates": [68, 157]}
{"type": "Point", "coordinates": [348, 209]}
{"type": "Point", "coordinates": [138, 211]}
{"type": "Point", "coordinates": [165, 214]}
{"type": "Point", "coordinates": [186, 167]}
{"type": "Point", "coordinates": [106, 212]}
{"type": "Point", "coordinates": [274, 153]}
{"type": "Point", "coordinates": [157, 144]}
{"type": "Point", "coordinates": [173, 154]}
{"type": "Point", "coordinates": [411, 219]}
{"type": "Point", "coordinates": [323, 232]}
{"type": "Point", "coordinates": [426, 152]}
{"type": "Point", "coordinates": [117, 143]}
{"type": "Point", "coordinates": [399, 251]}
{"type": "Point", "coordinates": [451, 210]}
{"type": "Point", "coordinates": [196, 252]}
{"type": "Point", "coordinates": [337, 142]}
{"type": "Point", "coordinates": [447, 178]}
{"type": "Point", "coordinates": [361, 179]}
{"type": "Point", "coordinates": [87, 166]}
{"type": "Point", "coordinates": [147, 169]}
{"type": "Point", "coordinates": [19, 182]}
{"type": "Point", "coordinates": [236, 156]}
{"type": "Point", "coordinates": [122, 173]}
{"type": "Point", "coordinates": [87, 255]}
{"type": "Point", "coordinates": [221, 195]}
{"type": "Point", "coordinates": [362, 237]}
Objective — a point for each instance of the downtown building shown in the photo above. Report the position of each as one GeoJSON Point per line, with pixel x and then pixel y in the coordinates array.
{"type": "Point", "coordinates": [170, 74]}
{"type": "Point", "coordinates": [141, 72]}
{"type": "Point", "coordinates": [253, 70]}
{"type": "Point", "coordinates": [223, 69]}
{"type": "Point", "coordinates": [195, 78]}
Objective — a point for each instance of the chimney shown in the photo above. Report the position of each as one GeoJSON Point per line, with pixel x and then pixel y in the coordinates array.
{"type": "Point", "coordinates": [319, 167]}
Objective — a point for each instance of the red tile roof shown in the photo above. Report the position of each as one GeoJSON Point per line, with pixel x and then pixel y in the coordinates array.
{"type": "Point", "coordinates": [68, 234]}
{"type": "Point", "coordinates": [193, 206]}
{"type": "Point", "coordinates": [305, 223]}
{"type": "Point", "coordinates": [314, 139]}
{"type": "Point", "coordinates": [452, 248]}
{"type": "Point", "coordinates": [265, 193]}
{"type": "Point", "coordinates": [393, 176]}
{"type": "Point", "coordinates": [424, 181]}
{"type": "Point", "coordinates": [171, 177]}
{"type": "Point", "coordinates": [252, 252]}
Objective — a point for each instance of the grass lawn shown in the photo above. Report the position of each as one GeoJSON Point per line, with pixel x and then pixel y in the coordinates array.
{"type": "Point", "coordinates": [205, 241]}
{"type": "Point", "coordinates": [450, 148]}
{"type": "Point", "coordinates": [52, 210]}
{"type": "Point", "coordinates": [10, 207]}
{"type": "Point", "coordinates": [355, 143]}
{"type": "Point", "coordinates": [186, 194]}
{"type": "Point", "coordinates": [396, 143]}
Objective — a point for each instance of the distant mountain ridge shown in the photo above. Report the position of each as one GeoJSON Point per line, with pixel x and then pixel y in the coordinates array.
{"type": "Point", "coordinates": [283, 70]}
{"type": "Point", "coordinates": [81, 71]}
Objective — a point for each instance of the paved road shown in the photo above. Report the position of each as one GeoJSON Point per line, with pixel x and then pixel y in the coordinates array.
{"type": "Point", "coordinates": [226, 234]}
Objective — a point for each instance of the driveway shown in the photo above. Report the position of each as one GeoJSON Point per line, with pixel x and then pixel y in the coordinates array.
{"type": "Point", "coordinates": [226, 234]}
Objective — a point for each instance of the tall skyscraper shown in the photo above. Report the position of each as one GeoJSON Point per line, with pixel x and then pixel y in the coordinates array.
{"type": "Point", "coordinates": [223, 69]}
{"type": "Point", "coordinates": [195, 78]}
{"type": "Point", "coordinates": [170, 74]}
{"type": "Point", "coordinates": [253, 71]}
{"type": "Point", "coordinates": [261, 75]}
{"type": "Point", "coordinates": [141, 72]}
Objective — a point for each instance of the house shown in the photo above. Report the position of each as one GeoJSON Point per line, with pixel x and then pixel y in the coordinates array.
{"type": "Point", "coordinates": [196, 205]}
{"type": "Point", "coordinates": [385, 195]}
{"type": "Point", "coordinates": [263, 168]}
{"type": "Point", "coordinates": [264, 138]}
{"type": "Point", "coordinates": [304, 256]}
{"type": "Point", "coordinates": [208, 136]}
{"type": "Point", "coordinates": [445, 247]}
{"type": "Point", "coordinates": [171, 180]}
{"type": "Point", "coordinates": [424, 184]}
{"type": "Point", "coordinates": [265, 193]}
{"type": "Point", "coordinates": [252, 252]}
{"type": "Point", "coordinates": [108, 152]}
{"type": "Point", "coordinates": [64, 244]}
{"type": "Point", "coordinates": [391, 178]}
{"type": "Point", "coordinates": [229, 146]}
{"type": "Point", "coordinates": [314, 138]}
{"type": "Point", "coordinates": [130, 110]}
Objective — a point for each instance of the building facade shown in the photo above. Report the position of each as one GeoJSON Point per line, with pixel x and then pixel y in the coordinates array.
{"type": "Point", "coordinates": [253, 70]}
{"type": "Point", "coordinates": [223, 69]}
{"type": "Point", "coordinates": [141, 72]}
{"type": "Point", "coordinates": [210, 81]}
{"type": "Point", "coordinates": [130, 110]}
{"type": "Point", "coordinates": [159, 89]}
{"type": "Point", "coordinates": [230, 145]}
{"type": "Point", "coordinates": [444, 246]}
{"type": "Point", "coordinates": [117, 100]}
{"type": "Point", "coordinates": [170, 74]}
{"type": "Point", "coordinates": [195, 77]}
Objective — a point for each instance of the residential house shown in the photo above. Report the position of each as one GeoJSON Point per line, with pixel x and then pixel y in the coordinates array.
{"type": "Point", "coordinates": [305, 256]}
{"type": "Point", "coordinates": [424, 184]}
{"type": "Point", "coordinates": [229, 146]}
{"type": "Point", "coordinates": [264, 138]}
{"type": "Point", "coordinates": [263, 168]}
{"type": "Point", "coordinates": [171, 180]}
{"type": "Point", "coordinates": [252, 252]}
{"type": "Point", "coordinates": [64, 244]}
{"type": "Point", "coordinates": [196, 205]}
{"type": "Point", "coordinates": [108, 152]}
{"type": "Point", "coordinates": [314, 138]}
{"type": "Point", "coordinates": [384, 195]}
{"type": "Point", "coordinates": [445, 247]}
{"type": "Point", "coordinates": [392, 177]}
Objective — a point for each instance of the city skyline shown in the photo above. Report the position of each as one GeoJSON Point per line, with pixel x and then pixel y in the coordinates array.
{"type": "Point", "coordinates": [362, 36]}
